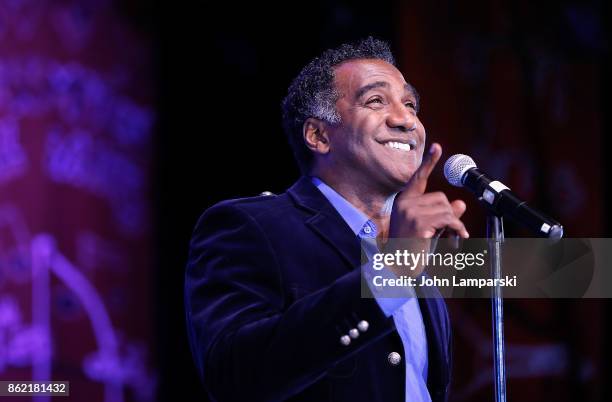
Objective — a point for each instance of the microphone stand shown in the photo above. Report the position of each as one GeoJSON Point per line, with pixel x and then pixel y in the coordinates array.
{"type": "Point", "coordinates": [495, 234]}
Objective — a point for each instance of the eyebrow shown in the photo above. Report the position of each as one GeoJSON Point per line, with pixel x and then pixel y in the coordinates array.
{"type": "Point", "coordinates": [383, 84]}
{"type": "Point", "coordinates": [364, 89]}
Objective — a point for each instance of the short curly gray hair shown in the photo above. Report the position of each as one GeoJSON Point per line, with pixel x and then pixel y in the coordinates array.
{"type": "Point", "coordinates": [313, 94]}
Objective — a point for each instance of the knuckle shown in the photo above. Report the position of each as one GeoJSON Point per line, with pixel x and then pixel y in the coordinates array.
{"type": "Point", "coordinates": [442, 197]}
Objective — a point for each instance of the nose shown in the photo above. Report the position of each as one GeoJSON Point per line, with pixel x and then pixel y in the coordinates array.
{"type": "Point", "coordinates": [402, 118]}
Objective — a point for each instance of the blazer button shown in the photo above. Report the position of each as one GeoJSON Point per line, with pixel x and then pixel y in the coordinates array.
{"type": "Point", "coordinates": [394, 358]}
{"type": "Point", "coordinates": [345, 340]}
{"type": "Point", "coordinates": [353, 333]}
{"type": "Point", "coordinates": [363, 325]}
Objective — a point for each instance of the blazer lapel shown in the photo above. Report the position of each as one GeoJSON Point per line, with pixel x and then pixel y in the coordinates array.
{"type": "Point", "coordinates": [326, 221]}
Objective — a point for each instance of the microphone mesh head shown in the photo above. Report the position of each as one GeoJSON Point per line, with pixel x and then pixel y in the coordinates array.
{"type": "Point", "coordinates": [456, 166]}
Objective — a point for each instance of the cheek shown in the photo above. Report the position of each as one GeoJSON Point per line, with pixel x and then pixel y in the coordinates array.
{"type": "Point", "coordinates": [423, 139]}
{"type": "Point", "coordinates": [357, 147]}
{"type": "Point", "coordinates": [421, 130]}
{"type": "Point", "coordinates": [357, 140]}
{"type": "Point", "coordinates": [347, 145]}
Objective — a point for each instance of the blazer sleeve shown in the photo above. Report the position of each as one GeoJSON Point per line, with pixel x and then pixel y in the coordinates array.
{"type": "Point", "coordinates": [249, 345]}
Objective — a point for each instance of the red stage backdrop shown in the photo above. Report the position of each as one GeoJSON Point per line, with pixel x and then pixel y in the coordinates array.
{"type": "Point", "coordinates": [76, 124]}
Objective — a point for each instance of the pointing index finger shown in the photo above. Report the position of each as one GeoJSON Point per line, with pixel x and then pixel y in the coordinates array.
{"type": "Point", "coordinates": [418, 183]}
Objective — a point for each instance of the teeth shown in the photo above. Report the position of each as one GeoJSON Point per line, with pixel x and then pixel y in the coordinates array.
{"type": "Point", "coordinates": [398, 145]}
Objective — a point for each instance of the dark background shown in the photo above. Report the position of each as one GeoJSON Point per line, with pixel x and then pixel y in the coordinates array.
{"type": "Point", "coordinates": [223, 71]}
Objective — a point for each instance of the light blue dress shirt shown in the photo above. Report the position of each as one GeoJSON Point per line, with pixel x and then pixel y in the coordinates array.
{"type": "Point", "coordinates": [405, 310]}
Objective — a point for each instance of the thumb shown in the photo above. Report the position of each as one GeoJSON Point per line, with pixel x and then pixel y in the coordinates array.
{"type": "Point", "coordinates": [458, 207]}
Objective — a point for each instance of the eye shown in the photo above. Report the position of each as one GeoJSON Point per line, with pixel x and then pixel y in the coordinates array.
{"type": "Point", "coordinates": [374, 100]}
{"type": "Point", "coordinates": [411, 105]}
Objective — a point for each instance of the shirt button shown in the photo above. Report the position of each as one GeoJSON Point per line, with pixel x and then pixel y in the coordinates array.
{"type": "Point", "coordinates": [394, 358]}
{"type": "Point", "coordinates": [367, 230]}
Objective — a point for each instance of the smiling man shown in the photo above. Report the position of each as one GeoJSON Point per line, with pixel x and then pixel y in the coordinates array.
{"type": "Point", "coordinates": [273, 283]}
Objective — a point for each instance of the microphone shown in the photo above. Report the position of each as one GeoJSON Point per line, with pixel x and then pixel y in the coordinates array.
{"type": "Point", "coordinates": [461, 171]}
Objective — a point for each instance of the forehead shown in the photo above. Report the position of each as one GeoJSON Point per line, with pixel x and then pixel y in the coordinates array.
{"type": "Point", "coordinates": [352, 75]}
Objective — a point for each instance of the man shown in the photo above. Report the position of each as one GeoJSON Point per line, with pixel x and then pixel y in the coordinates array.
{"type": "Point", "coordinates": [273, 283]}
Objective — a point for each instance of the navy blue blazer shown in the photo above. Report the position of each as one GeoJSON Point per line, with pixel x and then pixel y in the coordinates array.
{"type": "Point", "coordinates": [272, 283]}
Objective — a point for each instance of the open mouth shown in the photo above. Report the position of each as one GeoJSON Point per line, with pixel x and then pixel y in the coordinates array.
{"type": "Point", "coordinates": [410, 145]}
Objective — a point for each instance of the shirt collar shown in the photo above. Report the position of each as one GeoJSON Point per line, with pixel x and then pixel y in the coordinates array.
{"type": "Point", "coordinates": [359, 223]}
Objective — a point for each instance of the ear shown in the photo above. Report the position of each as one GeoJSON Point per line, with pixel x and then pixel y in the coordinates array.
{"type": "Point", "coordinates": [316, 136]}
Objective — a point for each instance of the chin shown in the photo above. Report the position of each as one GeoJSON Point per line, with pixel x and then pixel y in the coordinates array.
{"type": "Point", "coordinates": [398, 181]}
{"type": "Point", "coordinates": [393, 179]}
{"type": "Point", "coordinates": [404, 175]}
